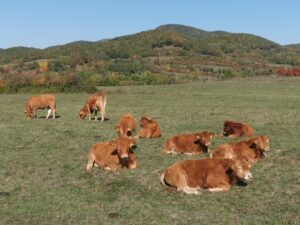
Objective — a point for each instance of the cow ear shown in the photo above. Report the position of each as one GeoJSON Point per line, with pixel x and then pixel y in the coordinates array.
{"type": "Point", "coordinates": [117, 128]}
{"type": "Point", "coordinates": [113, 143]}
{"type": "Point", "coordinates": [212, 134]}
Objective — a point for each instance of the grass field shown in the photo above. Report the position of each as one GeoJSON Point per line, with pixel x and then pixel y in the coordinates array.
{"type": "Point", "coordinates": [42, 162]}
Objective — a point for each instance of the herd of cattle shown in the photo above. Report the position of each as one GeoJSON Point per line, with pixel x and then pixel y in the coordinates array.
{"type": "Point", "coordinates": [228, 163]}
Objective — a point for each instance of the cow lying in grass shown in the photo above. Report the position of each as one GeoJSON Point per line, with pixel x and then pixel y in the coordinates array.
{"type": "Point", "coordinates": [250, 150]}
{"type": "Point", "coordinates": [234, 129]}
{"type": "Point", "coordinates": [126, 126]}
{"type": "Point", "coordinates": [113, 155]}
{"type": "Point", "coordinates": [94, 104]}
{"type": "Point", "coordinates": [198, 175]}
{"type": "Point", "coordinates": [189, 144]}
{"type": "Point", "coordinates": [149, 128]}
{"type": "Point", "coordinates": [40, 102]}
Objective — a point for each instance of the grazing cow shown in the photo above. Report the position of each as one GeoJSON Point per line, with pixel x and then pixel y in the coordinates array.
{"type": "Point", "coordinates": [149, 128]}
{"type": "Point", "coordinates": [198, 175]}
{"type": "Point", "coordinates": [233, 129]}
{"type": "Point", "coordinates": [126, 126]}
{"type": "Point", "coordinates": [94, 104]}
{"type": "Point", "coordinates": [113, 155]}
{"type": "Point", "coordinates": [250, 150]}
{"type": "Point", "coordinates": [189, 144]}
{"type": "Point", "coordinates": [40, 102]}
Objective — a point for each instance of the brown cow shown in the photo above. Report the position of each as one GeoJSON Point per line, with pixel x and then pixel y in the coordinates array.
{"type": "Point", "coordinates": [234, 129]}
{"type": "Point", "coordinates": [126, 126]}
{"type": "Point", "coordinates": [149, 128]}
{"type": "Point", "coordinates": [94, 104]}
{"type": "Point", "coordinates": [198, 175]}
{"type": "Point", "coordinates": [40, 102]}
{"type": "Point", "coordinates": [197, 143]}
{"type": "Point", "coordinates": [113, 155]}
{"type": "Point", "coordinates": [250, 150]}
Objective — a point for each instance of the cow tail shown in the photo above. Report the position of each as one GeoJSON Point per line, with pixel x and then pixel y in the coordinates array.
{"type": "Point", "coordinates": [91, 160]}
{"type": "Point", "coordinates": [162, 180]}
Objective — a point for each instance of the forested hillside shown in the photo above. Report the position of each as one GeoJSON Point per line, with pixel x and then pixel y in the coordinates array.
{"type": "Point", "coordinates": [167, 54]}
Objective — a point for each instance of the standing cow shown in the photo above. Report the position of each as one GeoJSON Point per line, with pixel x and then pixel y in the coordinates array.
{"type": "Point", "coordinates": [94, 104]}
{"type": "Point", "coordinates": [40, 102]}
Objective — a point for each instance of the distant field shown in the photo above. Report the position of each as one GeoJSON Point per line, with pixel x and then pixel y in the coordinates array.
{"type": "Point", "coordinates": [42, 162]}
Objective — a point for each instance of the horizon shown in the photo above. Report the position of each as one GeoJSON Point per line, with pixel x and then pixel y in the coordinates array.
{"type": "Point", "coordinates": [51, 23]}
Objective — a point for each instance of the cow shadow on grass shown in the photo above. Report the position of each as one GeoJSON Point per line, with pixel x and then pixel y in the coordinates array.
{"type": "Point", "coordinates": [241, 183]}
{"type": "Point", "coordinates": [105, 118]}
{"type": "Point", "coordinates": [50, 117]}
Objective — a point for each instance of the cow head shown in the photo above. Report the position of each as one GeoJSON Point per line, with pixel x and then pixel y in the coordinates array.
{"type": "Point", "coordinates": [241, 169]}
{"type": "Point", "coordinates": [28, 112]}
{"type": "Point", "coordinates": [123, 146]}
{"type": "Point", "coordinates": [261, 143]}
{"type": "Point", "coordinates": [123, 133]}
{"type": "Point", "coordinates": [144, 121]}
{"type": "Point", "coordinates": [82, 114]}
{"type": "Point", "coordinates": [204, 138]}
{"type": "Point", "coordinates": [227, 128]}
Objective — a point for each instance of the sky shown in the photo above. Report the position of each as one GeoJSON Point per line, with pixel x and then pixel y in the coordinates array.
{"type": "Point", "coordinates": [44, 23]}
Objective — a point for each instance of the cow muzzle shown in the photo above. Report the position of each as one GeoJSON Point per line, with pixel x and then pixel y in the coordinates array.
{"type": "Point", "coordinates": [124, 156]}
{"type": "Point", "coordinates": [248, 176]}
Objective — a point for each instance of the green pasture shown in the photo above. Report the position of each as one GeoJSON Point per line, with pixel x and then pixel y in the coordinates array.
{"type": "Point", "coordinates": [42, 162]}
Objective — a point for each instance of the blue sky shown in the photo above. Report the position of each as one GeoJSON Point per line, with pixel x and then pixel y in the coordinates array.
{"type": "Point", "coordinates": [43, 23]}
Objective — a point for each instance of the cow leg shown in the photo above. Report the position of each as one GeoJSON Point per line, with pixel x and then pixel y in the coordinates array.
{"type": "Point", "coordinates": [53, 113]}
{"type": "Point", "coordinates": [233, 136]}
{"type": "Point", "coordinates": [132, 164]}
{"type": "Point", "coordinates": [140, 134]}
{"type": "Point", "coordinates": [183, 186]}
{"type": "Point", "coordinates": [216, 183]}
{"type": "Point", "coordinates": [34, 114]}
{"type": "Point", "coordinates": [96, 118]}
{"type": "Point", "coordinates": [102, 115]}
{"type": "Point", "coordinates": [48, 114]}
{"type": "Point", "coordinates": [219, 189]}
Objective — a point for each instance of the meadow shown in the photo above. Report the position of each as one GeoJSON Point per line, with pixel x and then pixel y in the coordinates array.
{"type": "Point", "coordinates": [42, 162]}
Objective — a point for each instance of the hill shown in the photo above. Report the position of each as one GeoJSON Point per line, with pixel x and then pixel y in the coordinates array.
{"type": "Point", "coordinates": [168, 54]}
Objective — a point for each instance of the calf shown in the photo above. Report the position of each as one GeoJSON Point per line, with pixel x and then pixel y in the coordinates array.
{"type": "Point", "coordinates": [126, 126]}
{"type": "Point", "coordinates": [40, 102]}
{"type": "Point", "coordinates": [234, 129]}
{"type": "Point", "coordinates": [250, 150]}
{"type": "Point", "coordinates": [94, 104]}
{"type": "Point", "coordinates": [198, 175]}
{"type": "Point", "coordinates": [149, 128]}
{"type": "Point", "coordinates": [113, 155]}
{"type": "Point", "coordinates": [189, 144]}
